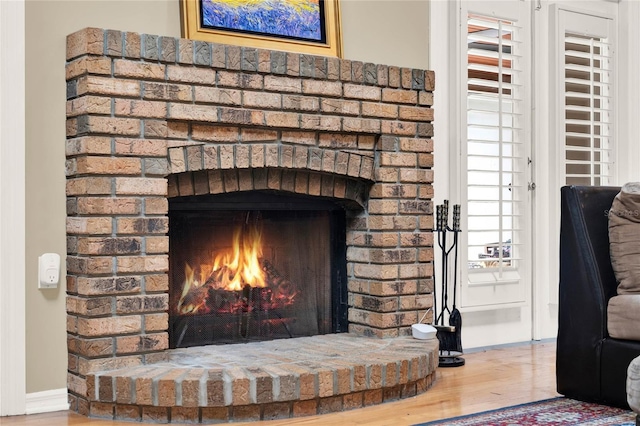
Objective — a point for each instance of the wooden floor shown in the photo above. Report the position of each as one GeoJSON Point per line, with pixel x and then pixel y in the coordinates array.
{"type": "Point", "coordinates": [491, 379]}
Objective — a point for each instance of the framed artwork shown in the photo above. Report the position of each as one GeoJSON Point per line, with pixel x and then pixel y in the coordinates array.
{"type": "Point", "coordinates": [304, 26]}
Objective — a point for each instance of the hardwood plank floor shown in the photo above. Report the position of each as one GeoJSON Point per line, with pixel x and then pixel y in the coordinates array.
{"type": "Point", "coordinates": [490, 379]}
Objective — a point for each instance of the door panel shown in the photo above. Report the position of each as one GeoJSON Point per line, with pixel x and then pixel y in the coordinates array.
{"type": "Point", "coordinates": [495, 152]}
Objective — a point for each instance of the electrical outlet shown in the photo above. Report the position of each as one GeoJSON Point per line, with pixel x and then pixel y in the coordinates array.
{"type": "Point", "coordinates": [48, 270]}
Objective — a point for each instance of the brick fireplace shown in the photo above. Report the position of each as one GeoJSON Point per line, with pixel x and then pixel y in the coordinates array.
{"type": "Point", "coordinates": [152, 119]}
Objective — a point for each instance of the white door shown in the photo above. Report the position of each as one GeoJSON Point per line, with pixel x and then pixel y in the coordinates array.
{"type": "Point", "coordinates": [495, 170]}
{"type": "Point", "coordinates": [576, 61]}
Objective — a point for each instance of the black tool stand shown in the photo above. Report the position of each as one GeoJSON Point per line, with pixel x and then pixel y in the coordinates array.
{"type": "Point", "coordinates": [449, 336]}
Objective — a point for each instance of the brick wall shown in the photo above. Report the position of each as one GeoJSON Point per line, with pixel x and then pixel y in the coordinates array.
{"type": "Point", "coordinates": [151, 117]}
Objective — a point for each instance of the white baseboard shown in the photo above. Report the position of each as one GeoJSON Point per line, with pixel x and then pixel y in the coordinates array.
{"type": "Point", "coordinates": [47, 401]}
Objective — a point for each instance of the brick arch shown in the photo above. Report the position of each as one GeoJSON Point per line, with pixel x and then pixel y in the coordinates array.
{"type": "Point", "coordinates": [198, 157]}
{"type": "Point", "coordinates": [352, 193]}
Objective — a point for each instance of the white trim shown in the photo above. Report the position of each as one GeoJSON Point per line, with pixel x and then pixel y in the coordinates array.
{"type": "Point", "coordinates": [47, 401]}
{"type": "Point", "coordinates": [12, 208]}
{"type": "Point", "coordinates": [441, 47]}
{"type": "Point", "coordinates": [628, 105]}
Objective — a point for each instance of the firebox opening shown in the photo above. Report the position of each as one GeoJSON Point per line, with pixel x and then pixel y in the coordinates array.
{"type": "Point", "coordinates": [255, 266]}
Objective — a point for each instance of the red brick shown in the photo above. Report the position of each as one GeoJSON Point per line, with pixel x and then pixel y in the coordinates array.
{"type": "Point", "coordinates": [95, 85]}
{"type": "Point", "coordinates": [88, 105]}
{"type": "Point", "coordinates": [300, 103]}
{"type": "Point", "coordinates": [320, 122]}
{"type": "Point", "coordinates": [357, 91]}
{"type": "Point", "coordinates": [425, 98]}
{"type": "Point", "coordinates": [218, 96]}
{"type": "Point", "coordinates": [88, 145]}
{"type": "Point", "coordinates": [96, 306]}
{"type": "Point", "coordinates": [108, 245]}
{"type": "Point", "coordinates": [102, 410]}
{"type": "Point", "coordinates": [361, 125]}
{"type": "Point", "coordinates": [108, 206]}
{"type": "Point", "coordinates": [109, 165]}
{"type": "Point", "coordinates": [282, 84]}
{"type": "Point", "coordinates": [138, 108]}
{"type": "Point", "coordinates": [416, 113]}
{"type": "Point", "coordinates": [382, 110]}
{"type": "Point", "coordinates": [277, 410]}
{"type": "Point", "coordinates": [130, 413]}
{"type": "Point", "coordinates": [282, 119]}
{"type": "Point", "coordinates": [141, 147]}
{"type": "Point", "coordinates": [142, 343]}
{"type": "Point", "coordinates": [184, 415]}
{"type": "Point", "coordinates": [156, 322]}
{"type": "Point", "coordinates": [192, 112]}
{"type": "Point", "coordinates": [246, 81]}
{"type": "Point", "coordinates": [163, 129]}
{"type": "Point", "coordinates": [138, 70]}
{"type": "Point", "coordinates": [167, 91]}
{"type": "Point", "coordinates": [340, 106]}
{"type": "Point", "coordinates": [429, 80]}
{"type": "Point", "coordinates": [322, 87]}
{"type": "Point", "coordinates": [262, 100]}
{"type": "Point", "coordinates": [109, 326]}
{"type": "Point", "coordinates": [185, 74]}
{"type": "Point", "coordinates": [157, 245]}
{"type": "Point", "coordinates": [89, 225]}
{"type": "Point", "coordinates": [241, 116]}
{"type": "Point", "coordinates": [128, 225]}
{"type": "Point", "coordinates": [86, 41]}
{"type": "Point", "coordinates": [141, 186]}
{"type": "Point", "coordinates": [305, 408]}
{"type": "Point", "coordinates": [108, 285]}
{"type": "Point", "coordinates": [132, 45]}
{"type": "Point", "coordinates": [155, 414]}
{"type": "Point", "coordinates": [90, 265]}
{"type": "Point", "coordinates": [156, 205]}
{"type": "Point", "coordinates": [88, 65]}
{"type": "Point", "coordinates": [399, 96]}
{"type": "Point", "coordinates": [142, 264]}
{"type": "Point", "coordinates": [218, 415]}
{"type": "Point", "coordinates": [399, 128]}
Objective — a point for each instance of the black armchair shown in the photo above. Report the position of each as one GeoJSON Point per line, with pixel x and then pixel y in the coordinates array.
{"type": "Point", "coordinates": [590, 365]}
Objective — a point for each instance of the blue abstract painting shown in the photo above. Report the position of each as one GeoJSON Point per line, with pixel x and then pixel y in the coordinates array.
{"type": "Point", "coordinates": [292, 19]}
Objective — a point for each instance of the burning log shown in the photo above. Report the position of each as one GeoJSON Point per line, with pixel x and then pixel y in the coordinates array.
{"type": "Point", "coordinates": [194, 300]}
{"type": "Point", "coordinates": [282, 287]}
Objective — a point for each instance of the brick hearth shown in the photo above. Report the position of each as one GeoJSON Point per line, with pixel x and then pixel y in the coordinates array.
{"type": "Point", "coordinates": [151, 117]}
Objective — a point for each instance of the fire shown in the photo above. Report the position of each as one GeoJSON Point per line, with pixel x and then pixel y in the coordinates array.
{"type": "Point", "coordinates": [236, 270]}
{"type": "Point", "coordinates": [241, 266]}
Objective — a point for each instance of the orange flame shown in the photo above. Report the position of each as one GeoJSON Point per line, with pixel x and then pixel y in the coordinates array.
{"type": "Point", "coordinates": [241, 266]}
{"type": "Point", "coordinates": [231, 270]}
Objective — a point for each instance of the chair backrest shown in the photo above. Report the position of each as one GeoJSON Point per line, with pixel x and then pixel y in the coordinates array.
{"type": "Point", "coordinates": [584, 234]}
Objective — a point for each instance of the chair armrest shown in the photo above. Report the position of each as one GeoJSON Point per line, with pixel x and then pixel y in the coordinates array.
{"type": "Point", "coordinates": [587, 282]}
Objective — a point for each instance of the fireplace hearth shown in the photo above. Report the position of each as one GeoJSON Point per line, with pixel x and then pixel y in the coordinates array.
{"type": "Point", "coordinates": [180, 155]}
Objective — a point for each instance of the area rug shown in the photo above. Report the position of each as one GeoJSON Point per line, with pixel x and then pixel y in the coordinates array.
{"type": "Point", "coordinates": [556, 411]}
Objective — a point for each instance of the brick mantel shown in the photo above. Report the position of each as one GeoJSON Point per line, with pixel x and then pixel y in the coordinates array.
{"type": "Point", "coordinates": [152, 117]}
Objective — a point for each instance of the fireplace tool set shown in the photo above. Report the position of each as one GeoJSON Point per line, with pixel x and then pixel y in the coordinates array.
{"type": "Point", "coordinates": [449, 336]}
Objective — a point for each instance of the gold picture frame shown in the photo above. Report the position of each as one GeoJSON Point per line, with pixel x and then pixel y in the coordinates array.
{"type": "Point", "coordinates": [201, 20]}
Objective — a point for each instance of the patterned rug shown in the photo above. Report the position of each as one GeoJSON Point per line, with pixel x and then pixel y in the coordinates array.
{"type": "Point", "coordinates": [555, 411]}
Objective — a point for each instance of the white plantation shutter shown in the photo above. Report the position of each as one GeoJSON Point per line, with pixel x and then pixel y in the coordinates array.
{"type": "Point", "coordinates": [586, 78]}
{"type": "Point", "coordinates": [495, 154]}
{"type": "Point", "coordinates": [494, 151]}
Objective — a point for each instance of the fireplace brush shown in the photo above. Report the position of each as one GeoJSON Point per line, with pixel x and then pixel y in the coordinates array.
{"type": "Point", "coordinates": [448, 336]}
